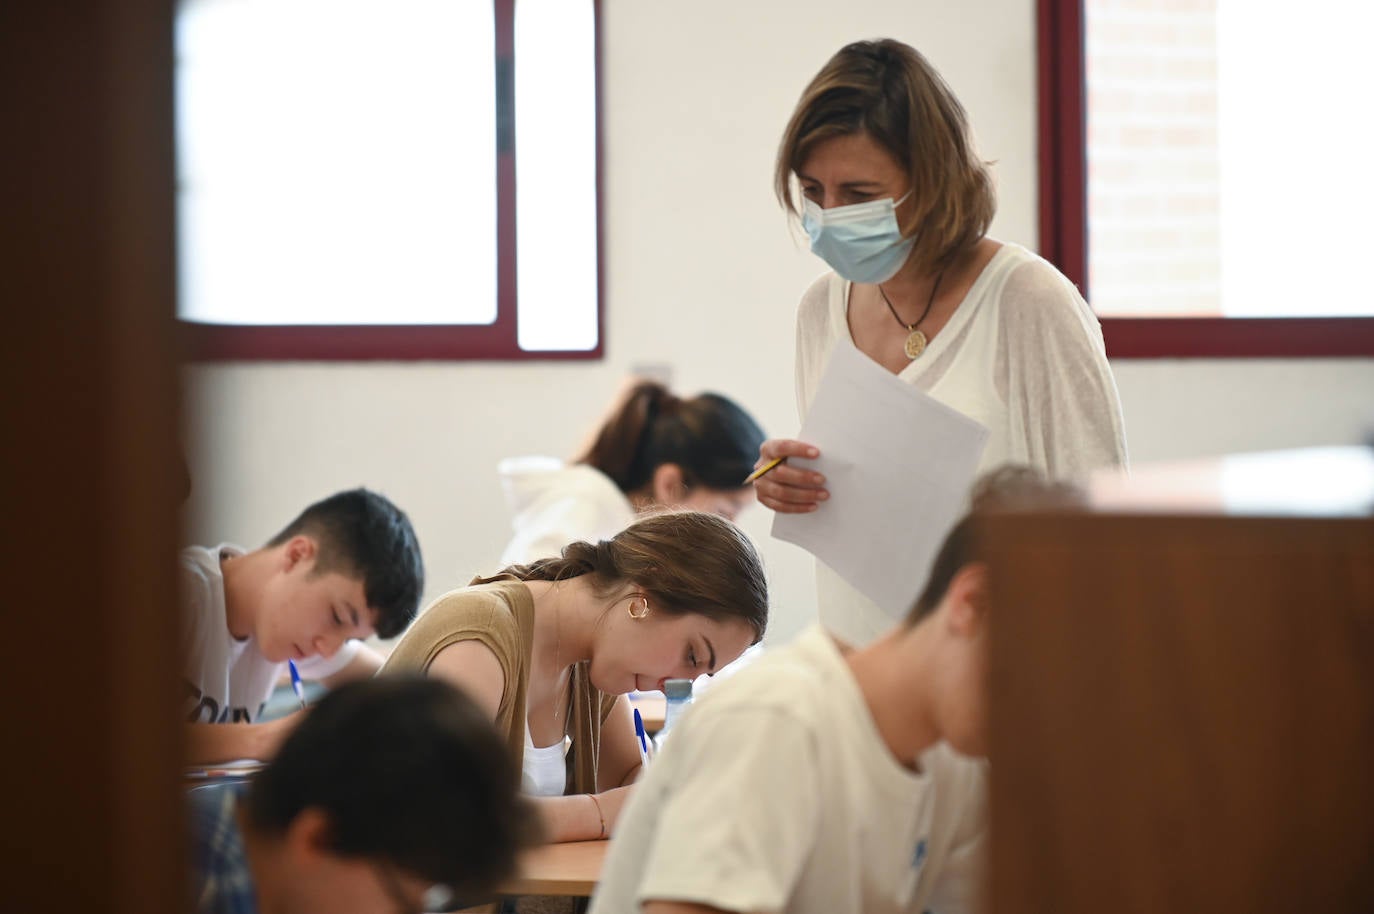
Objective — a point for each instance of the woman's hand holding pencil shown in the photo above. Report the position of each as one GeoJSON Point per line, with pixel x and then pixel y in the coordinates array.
{"type": "Point", "coordinates": [789, 489]}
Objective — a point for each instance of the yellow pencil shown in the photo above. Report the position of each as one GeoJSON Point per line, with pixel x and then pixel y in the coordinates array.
{"type": "Point", "coordinates": [763, 469]}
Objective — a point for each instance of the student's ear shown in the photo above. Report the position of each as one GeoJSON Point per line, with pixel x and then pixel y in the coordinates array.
{"type": "Point", "coordinates": [299, 548]}
{"type": "Point", "coordinates": [968, 599]}
{"type": "Point", "coordinates": [668, 487]}
{"type": "Point", "coordinates": [308, 836]}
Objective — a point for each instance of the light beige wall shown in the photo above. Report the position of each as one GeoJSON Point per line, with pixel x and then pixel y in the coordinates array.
{"type": "Point", "coordinates": [1179, 409]}
{"type": "Point", "coordinates": [703, 276]}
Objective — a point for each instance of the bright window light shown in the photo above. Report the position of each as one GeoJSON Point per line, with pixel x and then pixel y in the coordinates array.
{"type": "Point", "coordinates": [555, 142]}
{"type": "Point", "coordinates": [336, 161]}
{"type": "Point", "coordinates": [1295, 190]}
{"type": "Point", "coordinates": [1226, 145]}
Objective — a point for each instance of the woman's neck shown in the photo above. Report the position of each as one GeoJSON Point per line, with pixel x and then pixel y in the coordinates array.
{"type": "Point", "coordinates": [565, 614]}
{"type": "Point", "coordinates": [912, 287]}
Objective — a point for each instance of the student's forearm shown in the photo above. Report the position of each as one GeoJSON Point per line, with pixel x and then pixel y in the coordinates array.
{"type": "Point", "coordinates": [207, 744]}
{"type": "Point", "coordinates": [631, 776]}
{"type": "Point", "coordinates": [579, 817]}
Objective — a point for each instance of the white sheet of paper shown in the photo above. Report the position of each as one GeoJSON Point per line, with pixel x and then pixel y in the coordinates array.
{"type": "Point", "coordinates": [898, 464]}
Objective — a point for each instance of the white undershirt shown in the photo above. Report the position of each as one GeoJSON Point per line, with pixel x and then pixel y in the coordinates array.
{"type": "Point", "coordinates": [544, 771]}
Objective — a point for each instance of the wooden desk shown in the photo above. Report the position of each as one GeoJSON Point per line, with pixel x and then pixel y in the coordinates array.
{"type": "Point", "coordinates": [558, 869]}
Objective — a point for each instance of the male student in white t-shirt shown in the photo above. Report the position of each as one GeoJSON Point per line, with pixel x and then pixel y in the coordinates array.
{"type": "Point", "coordinates": [822, 780]}
{"type": "Point", "coordinates": [346, 568]}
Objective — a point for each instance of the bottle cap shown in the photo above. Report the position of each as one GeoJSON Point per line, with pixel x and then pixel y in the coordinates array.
{"type": "Point", "coordinates": [677, 688]}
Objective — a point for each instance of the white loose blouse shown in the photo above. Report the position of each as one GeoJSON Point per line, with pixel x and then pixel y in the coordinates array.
{"type": "Point", "coordinates": [1022, 354]}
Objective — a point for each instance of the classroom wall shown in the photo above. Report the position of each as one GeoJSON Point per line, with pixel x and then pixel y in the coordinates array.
{"type": "Point", "coordinates": [702, 277]}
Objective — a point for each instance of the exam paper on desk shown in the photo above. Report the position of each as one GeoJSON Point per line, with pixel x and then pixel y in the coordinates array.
{"type": "Point", "coordinates": [236, 769]}
{"type": "Point", "coordinates": [898, 464]}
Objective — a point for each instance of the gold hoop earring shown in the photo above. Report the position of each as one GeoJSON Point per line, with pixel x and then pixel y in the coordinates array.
{"type": "Point", "coordinates": [644, 609]}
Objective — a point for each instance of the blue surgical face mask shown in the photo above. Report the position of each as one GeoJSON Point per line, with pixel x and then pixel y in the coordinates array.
{"type": "Point", "coordinates": [862, 242]}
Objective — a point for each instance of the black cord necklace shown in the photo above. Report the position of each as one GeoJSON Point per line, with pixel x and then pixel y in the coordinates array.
{"type": "Point", "coordinates": [915, 340]}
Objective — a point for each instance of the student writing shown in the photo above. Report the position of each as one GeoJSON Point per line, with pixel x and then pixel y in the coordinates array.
{"type": "Point", "coordinates": [347, 567]}
{"type": "Point", "coordinates": [826, 779]}
{"type": "Point", "coordinates": [549, 650]}
{"type": "Point", "coordinates": [392, 795]}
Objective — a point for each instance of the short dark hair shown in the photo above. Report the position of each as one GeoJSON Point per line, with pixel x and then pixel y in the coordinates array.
{"type": "Point", "coordinates": [409, 772]}
{"type": "Point", "coordinates": [363, 535]}
{"type": "Point", "coordinates": [709, 436]}
{"type": "Point", "coordinates": [1012, 487]}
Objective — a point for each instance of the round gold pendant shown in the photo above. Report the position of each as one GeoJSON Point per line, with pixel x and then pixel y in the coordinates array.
{"type": "Point", "coordinates": [915, 344]}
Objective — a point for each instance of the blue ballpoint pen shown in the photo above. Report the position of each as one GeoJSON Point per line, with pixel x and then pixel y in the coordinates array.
{"type": "Point", "coordinates": [296, 682]}
{"type": "Point", "coordinates": [643, 738]}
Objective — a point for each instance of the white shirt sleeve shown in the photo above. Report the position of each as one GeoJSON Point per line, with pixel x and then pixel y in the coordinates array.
{"type": "Point", "coordinates": [815, 340]}
{"type": "Point", "coordinates": [195, 600]}
{"type": "Point", "coordinates": [1061, 393]}
{"type": "Point", "coordinates": [736, 824]}
{"type": "Point", "coordinates": [958, 888]}
{"type": "Point", "coordinates": [560, 521]}
{"type": "Point", "coordinates": [957, 891]}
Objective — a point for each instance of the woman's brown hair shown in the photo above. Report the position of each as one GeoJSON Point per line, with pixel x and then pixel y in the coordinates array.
{"type": "Point", "coordinates": [686, 561]}
{"type": "Point", "coordinates": [709, 437]}
{"type": "Point", "coordinates": [890, 92]}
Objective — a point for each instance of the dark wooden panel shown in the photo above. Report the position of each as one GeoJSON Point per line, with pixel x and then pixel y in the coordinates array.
{"type": "Point", "coordinates": [91, 469]}
{"type": "Point", "coordinates": [1183, 714]}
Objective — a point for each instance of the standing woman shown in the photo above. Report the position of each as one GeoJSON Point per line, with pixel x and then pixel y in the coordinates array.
{"type": "Point", "coordinates": [550, 649]}
{"type": "Point", "coordinates": [894, 197]}
{"type": "Point", "coordinates": [655, 450]}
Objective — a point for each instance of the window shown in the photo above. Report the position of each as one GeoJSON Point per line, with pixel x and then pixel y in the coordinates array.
{"type": "Point", "coordinates": [1212, 205]}
{"type": "Point", "coordinates": [347, 178]}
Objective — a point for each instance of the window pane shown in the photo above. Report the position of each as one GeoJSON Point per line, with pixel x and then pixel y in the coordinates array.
{"type": "Point", "coordinates": [336, 161]}
{"type": "Point", "coordinates": [1152, 157]}
{"type": "Point", "coordinates": [1224, 143]}
{"type": "Point", "coordinates": [1296, 189]}
{"type": "Point", "coordinates": [555, 143]}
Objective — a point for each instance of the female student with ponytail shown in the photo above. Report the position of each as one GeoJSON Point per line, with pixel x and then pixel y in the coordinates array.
{"type": "Point", "coordinates": [549, 649]}
{"type": "Point", "coordinates": [655, 450]}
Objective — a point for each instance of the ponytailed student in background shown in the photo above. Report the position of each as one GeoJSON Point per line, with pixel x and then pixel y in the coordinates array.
{"type": "Point", "coordinates": [654, 450]}
{"type": "Point", "coordinates": [549, 650]}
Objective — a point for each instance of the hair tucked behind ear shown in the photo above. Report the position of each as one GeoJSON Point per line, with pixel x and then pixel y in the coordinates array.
{"type": "Point", "coordinates": [576, 560]}
{"type": "Point", "coordinates": [686, 561]}
{"type": "Point", "coordinates": [710, 437]}
{"type": "Point", "coordinates": [888, 91]}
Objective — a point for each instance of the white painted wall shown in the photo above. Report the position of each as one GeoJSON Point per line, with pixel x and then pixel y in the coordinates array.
{"type": "Point", "coordinates": [1178, 409]}
{"type": "Point", "coordinates": [702, 275]}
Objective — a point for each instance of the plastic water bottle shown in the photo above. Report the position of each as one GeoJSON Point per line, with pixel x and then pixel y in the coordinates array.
{"type": "Point", "coordinates": [678, 695]}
